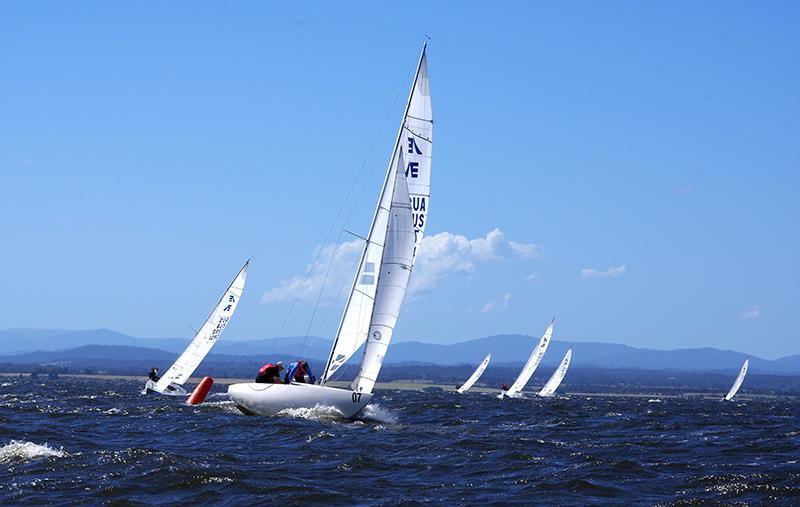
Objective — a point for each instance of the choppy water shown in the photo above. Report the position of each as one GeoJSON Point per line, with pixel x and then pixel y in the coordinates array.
{"type": "Point", "coordinates": [72, 441]}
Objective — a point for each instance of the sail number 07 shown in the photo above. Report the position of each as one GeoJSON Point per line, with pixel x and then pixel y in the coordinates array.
{"type": "Point", "coordinates": [356, 397]}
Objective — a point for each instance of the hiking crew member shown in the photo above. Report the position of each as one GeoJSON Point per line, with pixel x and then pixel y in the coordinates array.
{"type": "Point", "coordinates": [270, 374]}
{"type": "Point", "coordinates": [299, 372]}
{"type": "Point", "coordinates": [153, 375]}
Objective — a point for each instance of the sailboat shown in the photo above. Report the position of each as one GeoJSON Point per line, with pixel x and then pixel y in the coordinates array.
{"type": "Point", "coordinates": [475, 375]}
{"type": "Point", "coordinates": [738, 382]}
{"type": "Point", "coordinates": [550, 387]}
{"type": "Point", "coordinates": [515, 391]}
{"type": "Point", "coordinates": [171, 383]}
{"type": "Point", "coordinates": [379, 286]}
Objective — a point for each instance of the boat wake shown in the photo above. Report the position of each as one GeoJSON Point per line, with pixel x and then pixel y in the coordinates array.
{"type": "Point", "coordinates": [376, 413]}
{"type": "Point", "coordinates": [17, 450]}
{"type": "Point", "coordinates": [315, 413]}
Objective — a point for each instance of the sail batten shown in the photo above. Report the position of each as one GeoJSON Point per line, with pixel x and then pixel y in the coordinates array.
{"type": "Point", "coordinates": [207, 336]}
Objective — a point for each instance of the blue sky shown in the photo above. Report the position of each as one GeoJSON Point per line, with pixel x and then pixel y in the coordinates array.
{"type": "Point", "coordinates": [631, 168]}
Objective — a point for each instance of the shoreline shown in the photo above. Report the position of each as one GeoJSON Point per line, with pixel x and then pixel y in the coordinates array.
{"type": "Point", "coordinates": [415, 385]}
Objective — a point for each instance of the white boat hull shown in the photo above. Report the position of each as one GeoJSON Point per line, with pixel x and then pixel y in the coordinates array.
{"type": "Point", "coordinates": [270, 399]}
{"type": "Point", "coordinates": [506, 394]}
{"type": "Point", "coordinates": [172, 390]}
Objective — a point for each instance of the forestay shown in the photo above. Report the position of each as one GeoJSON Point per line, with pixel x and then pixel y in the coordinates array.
{"type": "Point", "coordinates": [533, 362]}
{"type": "Point", "coordinates": [475, 375]}
{"type": "Point", "coordinates": [738, 383]}
{"type": "Point", "coordinates": [413, 145]}
{"type": "Point", "coordinates": [555, 380]}
{"type": "Point", "coordinates": [207, 336]}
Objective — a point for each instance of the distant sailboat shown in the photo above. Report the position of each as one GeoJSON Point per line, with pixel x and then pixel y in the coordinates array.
{"type": "Point", "coordinates": [738, 383]}
{"type": "Point", "coordinates": [475, 375]}
{"type": "Point", "coordinates": [379, 287]}
{"type": "Point", "coordinates": [533, 362]}
{"type": "Point", "coordinates": [171, 383]}
{"type": "Point", "coordinates": [550, 387]}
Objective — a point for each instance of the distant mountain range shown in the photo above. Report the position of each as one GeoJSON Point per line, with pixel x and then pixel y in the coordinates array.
{"type": "Point", "coordinates": [55, 345]}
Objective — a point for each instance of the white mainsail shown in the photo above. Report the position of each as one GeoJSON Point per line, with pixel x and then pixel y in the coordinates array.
{"type": "Point", "coordinates": [382, 277]}
{"type": "Point", "coordinates": [207, 336]}
{"type": "Point", "coordinates": [555, 380]}
{"type": "Point", "coordinates": [532, 363]}
{"type": "Point", "coordinates": [394, 271]}
{"type": "Point", "coordinates": [475, 375]}
{"type": "Point", "coordinates": [738, 383]}
{"type": "Point", "coordinates": [412, 159]}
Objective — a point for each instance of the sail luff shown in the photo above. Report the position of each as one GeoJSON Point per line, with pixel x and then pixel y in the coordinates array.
{"type": "Point", "coordinates": [336, 360]}
{"type": "Point", "coordinates": [533, 361]}
{"type": "Point", "coordinates": [738, 382]}
{"type": "Point", "coordinates": [475, 375]}
{"type": "Point", "coordinates": [207, 335]}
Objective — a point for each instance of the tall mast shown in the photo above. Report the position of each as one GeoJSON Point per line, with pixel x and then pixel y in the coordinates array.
{"type": "Point", "coordinates": [386, 180]}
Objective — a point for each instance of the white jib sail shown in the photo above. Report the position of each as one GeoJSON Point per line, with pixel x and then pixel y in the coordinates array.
{"type": "Point", "coordinates": [395, 269]}
{"type": "Point", "coordinates": [533, 361]}
{"type": "Point", "coordinates": [555, 380]}
{"type": "Point", "coordinates": [738, 383]}
{"type": "Point", "coordinates": [414, 140]}
{"type": "Point", "coordinates": [475, 375]}
{"type": "Point", "coordinates": [207, 336]}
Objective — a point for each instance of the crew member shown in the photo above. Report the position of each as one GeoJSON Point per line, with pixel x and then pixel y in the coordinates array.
{"type": "Point", "coordinates": [504, 387]}
{"type": "Point", "coordinates": [153, 375]}
{"type": "Point", "coordinates": [270, 374]}
{"type": "Point", "coordinates": [299, 372]}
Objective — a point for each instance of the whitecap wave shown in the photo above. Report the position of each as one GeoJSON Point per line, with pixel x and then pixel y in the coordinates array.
{"type": "Point", "coordinates": [17, 450]}
{"type": "Point", "coordinates": [376, 413]}
{"type": "Point", "coordinates": [315, 413]}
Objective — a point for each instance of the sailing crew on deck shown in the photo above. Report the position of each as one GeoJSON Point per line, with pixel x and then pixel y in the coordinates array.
{"type": "Point", "coordinates": [270, 374]}
{"type": "Point", "coordinates": [299, 372]}
{"type": "Point", "coordinates": [153, 375]}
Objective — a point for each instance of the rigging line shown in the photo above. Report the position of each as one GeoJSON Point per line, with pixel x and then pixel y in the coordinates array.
{"type": "Point", "coordinates": [385, 120]}
{"type": "Point", "coordinates": [330, 307]}
{"type": "Point", "coordinates": [346, 199]}
{"type": "Point", "coordinates": [321, 291]}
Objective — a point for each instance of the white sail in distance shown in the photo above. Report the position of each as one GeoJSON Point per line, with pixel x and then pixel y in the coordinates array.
{"type": "Point", "coordinates": [533, 361]}
{"type": "Point", "coordinates": [414, 142]}
{"type": "Point", "coordinates": [555, 380]}
{"type": "Point", "coordinates": [207, 336]}
{"type": "Point", "coordinates": [738, 382]}
{"type": "Point", "coordinates": [475, 375]}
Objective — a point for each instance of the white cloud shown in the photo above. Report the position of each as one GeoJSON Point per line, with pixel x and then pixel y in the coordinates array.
{"type": "Point", "coordinates": [751, 313]}
{"type": "Point", "coordinates": [440, 256]}
{"type": "Point", "coordinates": [526, 251]}
{"type": "Point", "coordinates": [611, 272]}
{"type": "Point", "coordinates": [445, 254]}
{"type": "Point", "coordinates": [306, 288]}
{"type": "Point", "coordinates": [492, 305]}
{"type": "Point", "coordinates": [533, 277]}
{"type": "Point", "coordinates": [684, 190]}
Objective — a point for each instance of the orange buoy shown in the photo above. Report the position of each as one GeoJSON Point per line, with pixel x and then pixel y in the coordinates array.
{"type": "Point", "coordinates": [200, 392]}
